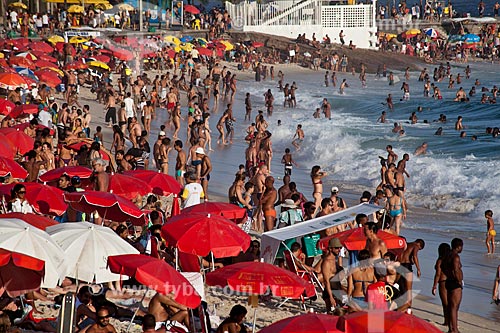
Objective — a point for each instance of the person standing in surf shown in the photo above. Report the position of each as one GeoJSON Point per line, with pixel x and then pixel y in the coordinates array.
{"type": "Point", "coordinates": [490, 233]}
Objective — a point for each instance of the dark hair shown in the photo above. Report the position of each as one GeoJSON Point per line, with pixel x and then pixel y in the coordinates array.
{"type": "Point", "coordinates": [372, 226]}
{"type": "Point", "coordinates": [295, 246]}
{"type": "Point", "coordinates": [421, 242]}
{"type": "Point", "coordinates": [363, 255]}
{"type": "Point", "coordinates": [154, 215]}
{"type": "Point", "coordinates": [248, 186]}
{"type": "Point", "coordinates": [295, 197]}
{"type": "Point", "coordinates": [390, 255]}
{"type": "Point", "coordinates": [16, 189]}
{"type": "Point", "coordinates": [148, 322]}
{"type": "Point", "coordinates": [121, 228]}
{"type": "Point", "coordinates": [325, 202]}
{"type": "Point", "coordinates": [456, 243]}
{"type": "Point", "coordinates": [359, 217]}
{"type": "Point", "coordinates": [178, 143]}
{"type": "Point", "coordinates": [444, 250]}
{"type": "Point", "coordinates": [237, 310]}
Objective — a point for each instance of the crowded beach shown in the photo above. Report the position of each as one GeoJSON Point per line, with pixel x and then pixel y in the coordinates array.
{"type": "Point", "coordinates": [106, 227]}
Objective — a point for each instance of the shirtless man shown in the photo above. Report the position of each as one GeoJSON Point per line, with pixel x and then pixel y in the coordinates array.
{"type": "Point", "coordinates": [288, 161]}
{"type": "Point", "coordinates": [298, 137]}
{"type": "Point", "coordinates": [164, 307]}
{"type": "Point", "coordinates": [251, 158]}
{"type": "Point", "coordinates": [180, 162]}
{"type": "Point", "coordinates": [15, 96]}
{"type": "Point", "coordinates": [284, 191]}
{"type": "Point", "coordinates": [234, 322]}
{"type": "Point", "coordinates": [135, 131]}
{"type": "Point", "coordinates": [374, 245]}
{"type": "Point", "coordinates": [461, 96]}
{"type": "Point", "coordinates": [171, 102]}
{"type": "Point", "coordinates": [327, 109]}
{"type": "Point", "coordinates": [331, 266]}
{"type": "Point", "coordinates": [163, 156]}
{"type": "Point", "coordinates": [490, 231]}
{"type": "Point", "coordinates": [71, 84]}
{"type": "Point", "coordinates": [392, 157]}
{"type": "Point", "coordinates": [452, 268]}
{"type": "Point", "coordinates": [101, 178]}
{"type": "Point", "coordinates": [390, 175]}
{"type": "Point", "coordinates": [206, 168]}
{"type": "Point", "coordinates": [421, 150]}
{"type": "Point", "coordinates": [259, 180]}
{"type": "Point", "coordinates": [407, 259]}
{"type": "Point", "coordinates": [400, 183]}
{"type": "Point", "coordinates": [110, 117]}
{"type": "Point", "coordinates": [402, 165]}
{"type": "Point", "coordinates": [269, 102]}
{"type": "Point", "coordinates": [248, 107]}
{"type": "Point", "coordinates": [458, 124]}
{"type": "Point", "coordinates": [267, 202]}
{"type": "Point", "coordinates": [102, 325]}
{"type": "Point", "coordinates": [149, 325]}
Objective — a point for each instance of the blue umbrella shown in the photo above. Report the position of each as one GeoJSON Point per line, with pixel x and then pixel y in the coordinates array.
{"type": "Point", "coordinates": [431, 32]}
{"type": "Point", "coordinates": [186, 39]}
{"type": "Point", "coordinates": [471, 38]}
{"type": "Point", "coordinates": [455, 38]}
{"type": "Point", "coordinates": [25, 71]}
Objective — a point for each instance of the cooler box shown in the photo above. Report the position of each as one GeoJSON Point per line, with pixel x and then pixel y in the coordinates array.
{"type": "Point", "coordinates": [309, 245]}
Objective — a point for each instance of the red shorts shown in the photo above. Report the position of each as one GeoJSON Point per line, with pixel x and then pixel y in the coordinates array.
{"type": "Point", "coordinates": [170, 106]}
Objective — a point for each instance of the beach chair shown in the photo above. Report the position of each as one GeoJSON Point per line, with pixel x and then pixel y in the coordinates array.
{"type": "Point", "coordinates": [66, 322]}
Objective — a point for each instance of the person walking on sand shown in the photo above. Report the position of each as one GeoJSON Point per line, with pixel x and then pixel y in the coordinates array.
{"type": "Point", "coordinates": [408, 258]}
{"type": "Point", "coordinates": [490, 231]}
{"type": "Point", "coordinates": [316, 175]}
{"type": "Point", "coordinates": [298, 137]}
{"type": "Point", "coordinates": [452, 268]}
{"type": "Point", "coordinates": [267, 201]}
{"type": "Point", "coordinates": [341, 38]}
{"type": "Point", "coordinates": [444, 250]}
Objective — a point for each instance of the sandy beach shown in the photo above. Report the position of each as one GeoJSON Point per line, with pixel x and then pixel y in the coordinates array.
{"type": "Point", "coordinates": [474, 316]}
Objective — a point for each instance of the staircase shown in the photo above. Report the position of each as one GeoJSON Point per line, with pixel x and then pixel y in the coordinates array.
{"type": "Point", "coordinates": [292, 10]}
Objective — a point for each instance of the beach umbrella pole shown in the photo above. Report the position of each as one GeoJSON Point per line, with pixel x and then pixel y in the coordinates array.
{"type": "Point", "coordinates": [137, 310]}
{"type": "Point", "coordinates": [254, 319]}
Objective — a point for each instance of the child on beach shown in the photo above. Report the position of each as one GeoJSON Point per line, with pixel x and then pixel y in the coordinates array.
{"type": "Point", "coordinates": [98, 135]}
{"type": "Point", "coordinates": [490, 233]}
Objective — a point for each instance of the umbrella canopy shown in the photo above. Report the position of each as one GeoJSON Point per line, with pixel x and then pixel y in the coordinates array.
{"type": "Point", "coordinates": [411, 33]}
{"type": "Point", "coordinates": [87, 247]}
{"type": "Point", "coordinates": [471, 38]}
{"type": "Point", "coordinates": [12, 168]}
{"type": "Point", "coordinates": [18, 236]}
{"type": "Point", "coordinates": [6, 106]}
{"type": "Point", "coordinates": [76, 65]}
{"type": "Point", "coordinates": [18, 4]}
{"type": "Point", "coordinates": [127, 186]}
{"type": "Point", "coordinates": [98, 64]}
{"type": "Point", "coordinates": [106, 155]}
{"type": "Point", "coordinates": [41, 46]}
{"type": "Point", "coordinates": [161, 183]}
{"type": "Point", "coordinates": [25, 71]}
{"type": "Point", "coordinates": [125, 6]}
{"type": "Point", "coordinates": [191, 9]}
{"type": "Point", "coordinates": [355, 239]}
{"type": "Point", "coordinates": [431, 32]}
{"type": "Point", "coordinates": [19, 273]}
{"type": "Point", "coordinates": [39, 221]}
{"type": "Point", "coordinates": [46, 57]}
{"type": "Point", "coordinates": [76, 9]}
{"type": "Point", "coordinates": [386, 322]}
{"type": "Point", "coordinates": [77, 40]}
{"type": "Point", "coordinates": [45, 64]}
{"type": "Point", "coordinates": [27, 55]}
{"type": "Point", "coordinates": [71, 171]}
{"type": "Point", "coordinates": [47, 200]}
{"type": "Point", "coordinates": [122, 54]}
{"type": "Point", "coordinates": [49, 77]}
{"type": "Point", "coordinates": [156, 274]}
{"type": "Point", "coordinates": [204, 51]}
{"type": "Point", "coordinates": [24, 109]}
{"type": "Point", "coordinates": [102, 58]}
{"type": "Point", "coordinates": [55, 39]}
{"type": "Point", "coordinates": [12, 80]}
{"type": "Point", "coordinates": [258, 278]}
{"type": "Point", "coordinates": [229, 211]}
{"type": "Point", "coordinates": [306, 323]}
{"type": "Point", "coordinates": [22, 141]}
{"type": "Point", "coordinates": [201, 234]}
{"type": "Point", "coordinates": [257, 44]}
{"type": "Point", "coordinates": [21, 61]}
{"type": "Point", "coordinates": [7, 148]}
{"type": "Point", "coordinates": [110, 206]}
{"type": "Point", "coordinates": [172, 39]}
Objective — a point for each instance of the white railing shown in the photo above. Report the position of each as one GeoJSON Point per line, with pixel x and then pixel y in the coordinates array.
{"type": "Point", "coordinates": [305, 12]}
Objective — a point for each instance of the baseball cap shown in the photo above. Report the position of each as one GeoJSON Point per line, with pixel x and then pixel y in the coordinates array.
{"type": "Point", "coordinates": [335, 189]}
{"type": "Point", "coordinates": [334, 242]}
{"type": "Point", "coordinates": [162, 133]}
{"type": "Point", "coordinates": [200, 151]}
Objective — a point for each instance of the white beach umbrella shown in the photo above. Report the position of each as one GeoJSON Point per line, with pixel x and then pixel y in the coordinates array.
{"type": "Point", "coordinates": [18, 236]}
{"type": "Point", "coordinates": [87, 247]}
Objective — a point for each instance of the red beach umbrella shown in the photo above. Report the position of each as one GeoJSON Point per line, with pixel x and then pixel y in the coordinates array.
{"type": "Point", "coordinates": [60, 47]}
{"type": "Point", "coordinates": [201, 234]}
{"type": "Point", "coordinates": [9, 166]}
{"type": "Point", "coordinates": [12, 80]}
{"type": "Point", "coordinates": [28, 55]}
{"type": "Point", "coordinates": [229, 211]}
{"type": "Point", "coordinates": [122, 54]}
{"type": "Point", "coordinates": [110, 206]}
{"type": "Point", "coordinates": [307, 323]}
{"type": "Point", "coordinates": [127, 186]}
{"type": "Point", "coordinates": [39, 221]}
{"type": "Point", "coordinates": [156, 274]}
{"type": "Point", "coordinates": [71, 171]}
{"type": "Point", "coordinates": [386, 322]}
{"type": "Point", "coordinates": [7, 149]}
{"type": "Point", "coordinates": [41, 46]}
{"type": "Point", "coordinates": [22, 126]}
{"type": "Point", "coordinates": [258, 278]}
{"type": "Point", "coordinates": [47, 200]}
{"type": "Point", "coordinates": [77, 146]}
{"type": "Point", "coordinates": [48, 58]}
{"type": "Point", "coordinates": [23, 62]}
{"type": "Point", "coordinates": [76, 66]}
{"type": "Point", "coordinates": [24, 109]}
{"type": "Point", "coordinates": [18, 42]}
{"type": "Point", "coordinates": [22, 141]}
{"type": "Point", "coordinates": [161, 183]}
{"type": "Point", "coordinates": [102, 57]}
{"type": "Point", "coordinates": [257, 44]}
{"type": "Point", "coordinates": [49, 77]}
{"type": "Point", "coordinates": [44, 63]}
{"type": "Point", "coordinates": [191, 9]}
{"type": "Point", "coordinates": [355, 239]}
{"type": "Point", "coordinates": [6, 106]}
{"type": "Point", "coordinates": [20, 273]}
{"type": "Point", "coordinates": [204, 51]}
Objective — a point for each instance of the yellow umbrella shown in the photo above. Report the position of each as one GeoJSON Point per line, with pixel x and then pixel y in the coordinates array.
{"type": "Point", "coordinates": [98, 64]}
{"type": "Point", "coordinates": [76, 9]}
{"type": "Point", "coordinates": [125, 6]}
{"type": "Point", "coordinates": [388, 35]}
{"type": "Point", "coordinates": [55, 39]}
{"type": "Point", "coordinates": [104, 6]}
{"type": "Point", "coordinates": [78, 40]}
{"type": "Point", "coordinates": [188, 47]}
{"type": "Point", "coordinates": [1, 55]}
{"type": "Point", "coordinates": [54, 69]}
{"type": "Point", "coordinates": [18, 5]}
{"type": "Point", "coordinates": [228, 45]}
{"type": "Point", "coordinates": [177, 49]}
{"type": "Point", "coordinates": [172, 39]}
{"type": "Point", "coordinates": [413, 32]}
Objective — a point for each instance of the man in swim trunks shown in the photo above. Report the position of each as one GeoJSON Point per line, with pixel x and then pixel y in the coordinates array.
{"type": "Point", "coordinates": [407, 259]}
{"type": "Point", "coordinates": [206, 167]}
{"type": "Point", "coordinates": [180, 162]}
{"type": "Point", "coordinates": [298, 137]}
{"type": "Point", "coordinates": [452, 268]}
{"type": "Point", "coordinates": [374, 245]}
{"type": "Point", "coordinates": [164, 308]}
{"type": "Point", "coordinates": [490, 232]}
{"type": "Point", "coordinates": [331, 266]}
{"type": "Point", "coordinates": [267, 201]}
